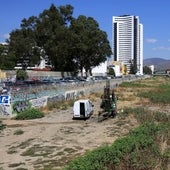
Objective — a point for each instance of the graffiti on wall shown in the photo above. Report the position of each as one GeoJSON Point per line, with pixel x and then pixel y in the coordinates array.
{"type": "Point", "coordinates": [73, 94]}
{"type": "Point", "coordinates": [5, 100]}
{"type": "Point", "coordinates": [56, 98]}
{"type": "Point", "coordinates": [40, 102]}
{"type": "Point", "coordinates": [80, 93]}
{"type": "Point", "coordinates": [5, 110]}
{"type": "Point", "coordinates": [5, 105]}
{"type": "Point", "coordinates": [69, 95]}
{"type": "Point", "coordinates": [20, 106]}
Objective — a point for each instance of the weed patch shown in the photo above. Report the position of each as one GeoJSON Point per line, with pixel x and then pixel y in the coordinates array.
{"type": "Point", "coordinates": [159, 94]}
{"type": "Point", "coordinates": [129, 152]}
{"type": "Point", "coordinates": [31, 113]}
{"type": "Point", "coordinates": [126, 153]}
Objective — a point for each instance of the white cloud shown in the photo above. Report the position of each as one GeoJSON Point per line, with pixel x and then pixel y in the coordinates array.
{"type": "Point", "coordinates": [6, 36]}
{"type": "Point", "coordinates": [151, 40]}
{"type": "Point", "coordinates": [162, 48]}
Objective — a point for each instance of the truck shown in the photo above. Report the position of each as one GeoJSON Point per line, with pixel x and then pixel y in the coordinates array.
{"type": "Point", "coordinates": [82, 109]}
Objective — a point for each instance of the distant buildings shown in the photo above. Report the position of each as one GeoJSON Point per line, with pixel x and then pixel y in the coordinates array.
{"type": "Point", "coordinates": [128, 42]}
{"type": "Point", "coordinates": [2, 75]}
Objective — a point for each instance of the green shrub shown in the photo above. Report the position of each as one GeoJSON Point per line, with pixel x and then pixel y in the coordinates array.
{"type": "Point", "coordinates": [31, 113]}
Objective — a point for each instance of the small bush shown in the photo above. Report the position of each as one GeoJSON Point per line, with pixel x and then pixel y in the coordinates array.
{"type": "Point", "coordinates": [31, 113]}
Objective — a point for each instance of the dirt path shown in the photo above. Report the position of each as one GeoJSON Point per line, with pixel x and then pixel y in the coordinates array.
{"type": "Point", "coordinates": [51, 142]}
{"type": "Point", "coordinates": [56, 139]}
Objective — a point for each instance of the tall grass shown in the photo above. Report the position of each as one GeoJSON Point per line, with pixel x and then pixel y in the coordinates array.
{"type": "Point", "coordinates": [160, 94]}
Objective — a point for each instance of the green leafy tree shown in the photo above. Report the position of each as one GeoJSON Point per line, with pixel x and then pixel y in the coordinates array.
{"type": "Point", "coordinates": [111, 72]}
{"type": "Point", "coordinates": [70, 44]}
{"type": "Point", "coordinates": [91, 46]}
{"type": "Point", "coordinates": [23, 45]}
{"type": "Point", "coordinates": [48, 33]}
{"type": "Point", "coordinates": [7, 60]}
{"type": "Point", "coordinates": [54, 37]}
{"type": "Point", "coordinates": [133, 67]}
{"type": "Point", "coordinates": [147, 70]}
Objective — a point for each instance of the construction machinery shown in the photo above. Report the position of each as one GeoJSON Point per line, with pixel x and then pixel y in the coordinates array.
{"type": "Point", "coordinates": [83, 108]}
{"type": "Point", "coordinates": [108, 104]}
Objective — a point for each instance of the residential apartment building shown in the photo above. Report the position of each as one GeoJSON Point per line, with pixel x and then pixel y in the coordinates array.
{"type": "Point", "coordinates": [128, 41]}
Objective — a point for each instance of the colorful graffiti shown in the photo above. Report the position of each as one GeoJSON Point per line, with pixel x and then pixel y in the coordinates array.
{"type": "Point", "coordinates": [73, 94]}
{"type": "Point", "coordinates": [20, 106]}
{"type": "Point", "coordinates": [5, 105]}
{"type": "Point", "coordinates": [23, 102]}
{"type": "Point", "coordinates": [40, 102]}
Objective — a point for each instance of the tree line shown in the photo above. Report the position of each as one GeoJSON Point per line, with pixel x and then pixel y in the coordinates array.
{"type": "Point", "coordinates": [70, 44]}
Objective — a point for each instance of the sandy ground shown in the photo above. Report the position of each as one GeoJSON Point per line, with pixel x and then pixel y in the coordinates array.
{"type": "Point", "coordinates": [56, 139]}
{"type": "Point", "coordinates": [51, 142]}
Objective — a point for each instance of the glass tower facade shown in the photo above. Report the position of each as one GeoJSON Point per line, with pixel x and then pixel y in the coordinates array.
{"type": "Point", "coordinates": [128, 41]}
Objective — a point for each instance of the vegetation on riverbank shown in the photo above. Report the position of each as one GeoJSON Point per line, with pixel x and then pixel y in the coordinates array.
{"type": "Point", "coordinates": [31, 113]}
{"type": "Point", "coordinates": [146, 147]}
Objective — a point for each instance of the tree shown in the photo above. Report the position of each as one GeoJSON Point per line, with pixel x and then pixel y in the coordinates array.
{"type": "Point", "coordinates": [147, 70]}
{"type": "Point", "coordinates": [48, 32]}
{"type": "Point", "coordinates": [7, 60]}
{"type": "Point", "coordinates": [133, 67]}
{"type": "Point", "coordinates": [91, 46]}
{"type": "Point", "coordinates": [70, 44]}
{"type": "Point", "coordinates": [23, 45]}
{"type": "Point", "coordinates": [111, 72]}
{"type": "Point", "coordinates": [53, 35]}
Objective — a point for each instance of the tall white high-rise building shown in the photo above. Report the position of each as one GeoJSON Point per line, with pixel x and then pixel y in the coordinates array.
{"type": "Point", "coordinates": [128, 42]}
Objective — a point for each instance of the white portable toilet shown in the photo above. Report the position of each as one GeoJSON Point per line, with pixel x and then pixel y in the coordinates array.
{"type": "Point", "coordinates": [82, 109]}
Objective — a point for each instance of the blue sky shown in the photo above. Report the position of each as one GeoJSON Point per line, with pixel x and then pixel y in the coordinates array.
{"type": "Point", "coordinates": [153, 14]}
